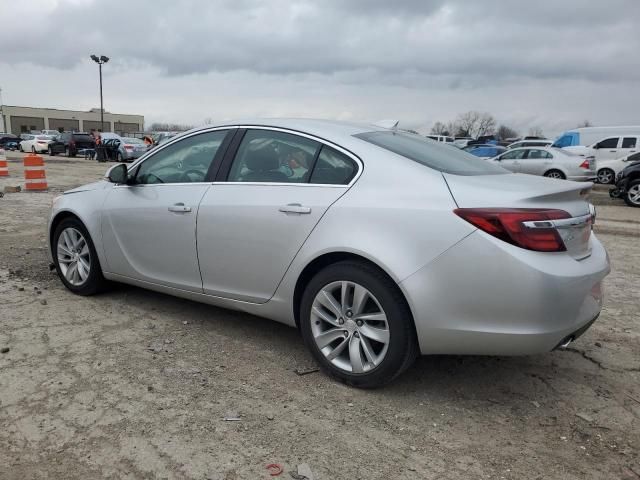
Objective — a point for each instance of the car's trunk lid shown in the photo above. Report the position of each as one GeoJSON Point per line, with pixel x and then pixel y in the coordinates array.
{"type": "Point", "coordinates": [529, 191]}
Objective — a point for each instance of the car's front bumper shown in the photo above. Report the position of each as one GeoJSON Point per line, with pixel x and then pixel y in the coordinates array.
{"type": "Point", "coordinates": [484, 296]}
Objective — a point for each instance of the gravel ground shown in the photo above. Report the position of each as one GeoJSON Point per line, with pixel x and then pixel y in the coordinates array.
{"type": "Point", "coordinates": [135, 384]}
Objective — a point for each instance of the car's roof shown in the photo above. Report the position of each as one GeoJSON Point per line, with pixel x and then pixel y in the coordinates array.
{"type": "Point", "coordinates": [329, 129]}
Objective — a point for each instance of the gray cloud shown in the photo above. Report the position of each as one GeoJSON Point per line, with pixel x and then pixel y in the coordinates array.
{"type": "Point", "coordinates": [546, 62]}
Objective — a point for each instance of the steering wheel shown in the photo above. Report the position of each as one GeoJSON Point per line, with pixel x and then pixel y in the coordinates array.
{"type": "Point", "coordinates": [187, 179]}
{"type": "Point", "coordinates": [149, 175]}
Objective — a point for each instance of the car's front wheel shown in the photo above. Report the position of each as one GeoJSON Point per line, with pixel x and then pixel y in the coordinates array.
{"type": "Point", "coordinates": [606, 176]}
{"type": "Point", "coordinates": [51, 152]}
{"type": "Point", "coordinates": [632, 197]}
{"type": "Point", "coordinates": [357, 324]}
{"type": "Point", "coordinates": [75, 258]}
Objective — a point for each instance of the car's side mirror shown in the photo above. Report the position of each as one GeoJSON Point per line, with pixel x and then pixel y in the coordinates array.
{"type": "Point", "coordinates": [117, 174]}
{"type": "Point", "coordinates": [596, 146]}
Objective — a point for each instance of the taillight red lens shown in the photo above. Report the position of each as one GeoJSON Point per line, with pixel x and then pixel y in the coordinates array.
{"type": "Point", "coordinates": [128, 147]}
{"type": "Point", "coordinates": [507, 224]}
{"type": "Point", "coordinates": [585, 165]}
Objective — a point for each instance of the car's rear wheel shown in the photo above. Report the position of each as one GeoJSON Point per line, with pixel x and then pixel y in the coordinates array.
{"type": "Point", "coordinates": [33, 149]}
{"type": "Point", "coordinates": [20, 148]}
{"type": "Point", "coordinates": [119, 157]}
{"type": "Point", "coordinates": [357, 324]}
{"type": "Point", "coordinates": [555, 174]}
{"type": "Point", "coordinates": [606, 176]}
{"type": "Point", "coordinates": [51, 152]}
{"type": "Point", "coordinates": [75, 258]}
{"type": "Point", "coordinates": [632, 197]}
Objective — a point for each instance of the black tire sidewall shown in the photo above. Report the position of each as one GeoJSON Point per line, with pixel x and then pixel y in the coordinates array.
{"type": "Point", "coordinates": [626, 195]}
{"type": "Point", "coordinates": [562, 176]}
{"type": "Point", "coordinates": [96, 281]}
{"type": "Point", "coordinates": [402, 333]}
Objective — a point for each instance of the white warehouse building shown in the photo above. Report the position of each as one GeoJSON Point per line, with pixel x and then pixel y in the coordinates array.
{"type": "Point", "coordinates": [19, 120]}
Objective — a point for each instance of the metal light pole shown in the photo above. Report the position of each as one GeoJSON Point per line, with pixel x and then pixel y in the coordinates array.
{"type": "Point", "coordinates": [100, 60]}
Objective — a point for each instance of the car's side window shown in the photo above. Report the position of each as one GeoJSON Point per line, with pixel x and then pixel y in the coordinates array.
{"type": "Point", "coordinates": [535, 154]}
{"type": "Point", "coordinates": [333, 168]}
{"type": "Point", "coordinates": [513, 155]}
{"type": "Point", "coordinates": [273, 157]}
{"type": "Point", "coordinates": [609, 142]}
{"type": "Point", "coordinates": [629, 142]}
{"type": "Point", "coordinates": [186, 161]}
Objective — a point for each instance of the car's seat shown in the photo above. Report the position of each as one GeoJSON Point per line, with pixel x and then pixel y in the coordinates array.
{"type": "Point", "coordinates": [263, 166]}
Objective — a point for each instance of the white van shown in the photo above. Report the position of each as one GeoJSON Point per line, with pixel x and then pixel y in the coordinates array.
{"type": "Point", "coordinates": [441, 138]}
{"type": "Point", "coordinates": [586, 136]}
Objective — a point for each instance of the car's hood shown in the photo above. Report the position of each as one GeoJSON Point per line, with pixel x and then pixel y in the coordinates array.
{"type": "Point", "coordinates": [99, 185]}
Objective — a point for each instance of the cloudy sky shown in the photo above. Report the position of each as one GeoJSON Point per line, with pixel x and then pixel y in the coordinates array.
{"type": "Point", "coordinates": [544, 63]}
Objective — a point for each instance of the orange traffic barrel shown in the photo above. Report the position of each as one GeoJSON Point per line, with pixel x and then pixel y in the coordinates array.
{"type": "Point", "coordinates": [35, 177]}
{"type": "Point", "coordinates": [4, 168]}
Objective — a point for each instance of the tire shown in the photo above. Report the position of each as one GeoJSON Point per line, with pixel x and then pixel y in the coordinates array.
{"type": "Point", "coordinates": [606, 176]}
{"type": "Point", "coordinates": [51, 152]}
{"type": "Point", "coordinates": [119, 157]}
{"type": "Point", "coordinates": [94, 281]}
{"type": "Point", "coordinates": [20, 148]}
{"type": "Point", "coordinates": [555, 174]}
{"type": "Point", "coordinates": [33, 150]}
{"type": "Point", "coordinates": [384, 299]}
{"type": "Point", "coordinates": [632, 195]}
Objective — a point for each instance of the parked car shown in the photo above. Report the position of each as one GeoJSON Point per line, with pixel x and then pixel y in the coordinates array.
{"type": "Point", "coordinates": [36, 143]}
{"type": "Point", "coordinates": [585, 136]}
{"type": "Point", "coordinates": [53, 133]}
{"type": "Point", "coordinates": [609, 169]}
{"type": "Point", "coordinates": [628, 185]}
{"type": "Point", "coordinates": [530, 143]}
{"type": "Point", "coordinates": [486, 151]}
{"type": "Point", "coordinates": [441, 138]}
{"type": "Point", "coordinates": [123, 149]}
{"type": "Point", "coordinates": [70, 143]}
{"type": "Point", "coordinates": [454, 263]}
{"type": "Point", "coordinates": [548, 162]}
{"type": "Point", "coordinates": [609, 148]}
{"type": "Point", "coordinates": [9, 141]}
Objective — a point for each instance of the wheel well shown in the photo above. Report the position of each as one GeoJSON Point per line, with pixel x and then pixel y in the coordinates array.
{"type": "Point", "coordinates": [324, 261]}
{"type": "Point", "coordinates": [555, 170]}
{"type": "Point", "coordinates": [56, 221]}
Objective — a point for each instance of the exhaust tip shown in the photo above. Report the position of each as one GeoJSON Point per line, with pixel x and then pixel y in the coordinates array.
{"type": "Point", "coordinates": [566, 342]}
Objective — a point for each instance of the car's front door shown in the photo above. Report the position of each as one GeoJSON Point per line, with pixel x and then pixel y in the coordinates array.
{"type": "Point", "coordinates": [511, 159]}
{"type": "Point", "coordinates": [149, 225]}
{"type": "Point", "coordinates": [607, 149]}
{"type": "Point", "coordinates": [269, 197]}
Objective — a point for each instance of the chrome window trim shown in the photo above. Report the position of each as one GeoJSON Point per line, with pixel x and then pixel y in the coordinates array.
{"type": "Point", "coordinates": [574, 222]}
{"type": "Point", "coordinates": [355, 158]}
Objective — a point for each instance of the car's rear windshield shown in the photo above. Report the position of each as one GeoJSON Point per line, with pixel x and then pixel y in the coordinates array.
{"type": "Point", "coordinates": [442, 157]}
{"type": "Point", "coordinates": [84, 137]}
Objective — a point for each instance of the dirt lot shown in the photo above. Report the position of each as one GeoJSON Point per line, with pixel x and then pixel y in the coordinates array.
{"type": "Point", "coordinates": [135, 384]}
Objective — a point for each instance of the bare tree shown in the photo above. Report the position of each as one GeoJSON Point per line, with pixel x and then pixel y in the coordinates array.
{"type": "Point", "coordinates": [536, 131]}
{"type": "Point", "coordinates": [168, 127]}
{"type": "Point", "coordinates": [505, 132]}
{"type": "Point", "coordinates": [585, 123]}
{"type": "Point", "coordinates": [440, 128]}
{"type": "Point", "coordinates": [475, 124]}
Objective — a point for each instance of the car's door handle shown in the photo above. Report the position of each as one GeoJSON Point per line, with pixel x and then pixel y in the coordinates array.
{"type": "Point", "coordinates": [179, 208]}
{"type": "Point", "coordinates": [295, 208]}
{"type": "Point", "coordinates": [612, 151]}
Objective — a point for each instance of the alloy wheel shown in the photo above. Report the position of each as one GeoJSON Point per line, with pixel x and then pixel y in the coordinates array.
{"type": "Point", "coordinates": [350, 327]}
{"type": "Point", "coordinates": [633, 194]}
{"type": "Point", "coordinates": [605, 176]}
{"type": "Point", "coordinates": [74, 257]}
{"type": "Point", "coordinates": [554, 175]}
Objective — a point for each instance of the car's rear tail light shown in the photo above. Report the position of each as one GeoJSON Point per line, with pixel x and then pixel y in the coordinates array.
{"type": "Point", "coordinates": [508, 224]}
{"type": "Point", "coordinates": [585, 164]}
{"type": "Point", "coordinates": [128, 147]}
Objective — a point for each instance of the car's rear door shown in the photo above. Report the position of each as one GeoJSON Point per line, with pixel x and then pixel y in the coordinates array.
{"type": "Point", "coordinates": [149, 226]}
{"type": "Point", "coordinates": [511, 159]}
{"type": "Point", "coordinates": [536, 162]}
{"type": "Point", "coordinates": [272, 190]}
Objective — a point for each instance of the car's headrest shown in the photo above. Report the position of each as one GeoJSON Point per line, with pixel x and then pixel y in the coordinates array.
{"type": "Point", "coordinates": [263, 160]}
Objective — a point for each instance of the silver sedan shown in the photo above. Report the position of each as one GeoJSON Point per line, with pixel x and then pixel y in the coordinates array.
{"type": "Point", "coordinates": [548, 162]}
{"type": "Point", "coordinates": [377, 244]}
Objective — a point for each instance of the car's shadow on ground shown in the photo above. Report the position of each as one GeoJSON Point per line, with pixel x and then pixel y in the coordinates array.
{"type": "Point", "coordinates": [494, 380]}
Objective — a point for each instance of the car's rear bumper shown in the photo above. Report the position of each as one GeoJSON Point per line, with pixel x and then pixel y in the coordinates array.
{"type": "Point", "coordinates": [484, 296]}
{"type": "Point", "coordinates": [583, 178]}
